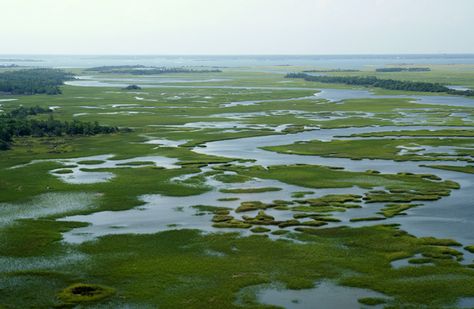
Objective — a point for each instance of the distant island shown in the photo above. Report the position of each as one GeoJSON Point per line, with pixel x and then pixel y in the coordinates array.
{"type": "Point", "coordinates": [146, 70]}
{"type": "Point", "coordinates": [403, 69]}
{"type": "Point", "coordinates": [390, 84]}
{"type": "Point", "coordinates": [331, 71]}
{"type": "Point", "coordinates": [19, 60]}
{"type": "Point", "coordinates": [2, 66]}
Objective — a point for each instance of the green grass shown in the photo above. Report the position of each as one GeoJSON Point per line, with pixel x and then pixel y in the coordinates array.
{"type": "Point", "coordinates": [314, 176]}
{"type": "Point", "coordinates": [160, 269]}
{"type": "Point", "coordinates": [232, 178]}
{"type": "Point", "coordinates": [469, 169]}
{"type": "Point", "coordinates": [391, 210]}
{"type": "Point", "coordinates": [470, 248]}
{"type": "Point", "coordinates": [378, 148]}
{"type": "Point", "coordinates": [372, 301]}
{"type": "Point", "coordinates": [63, 171]}
{"type": "Point", "coordinates": [91, 162]}
{"type": "Point", "coordinates": [367, 219]}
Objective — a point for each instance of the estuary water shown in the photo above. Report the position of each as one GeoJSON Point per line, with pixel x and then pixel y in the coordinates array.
{"type": "Point", "coordinates": [329, 94]}
{"type": "Point", "coordinates": [450, 217]}
{"type": "Point", "coordinates": [326, 61]}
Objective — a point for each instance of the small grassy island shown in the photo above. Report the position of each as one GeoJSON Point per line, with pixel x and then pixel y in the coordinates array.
{"type": "Point", "coordinates": [133, 87]}
{"type": "Point", "coordinates": [398, 69]}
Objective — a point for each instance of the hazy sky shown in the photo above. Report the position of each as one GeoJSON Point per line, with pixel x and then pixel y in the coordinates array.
{"type": "Point", "coordinates": [236, 26]}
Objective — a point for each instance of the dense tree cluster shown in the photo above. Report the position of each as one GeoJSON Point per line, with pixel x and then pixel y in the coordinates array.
{"type": "Point", "coordinates": [372, 81]}
{"type": "Point", "coordinates": [403, 70]}
{"type": "Point", "coordinates": [22, 112]}
{"type": "Point", "coordinates": [16, 123]}
{"type": "Point", "coordinates": [33, 81]}
{"type": "Point", "coordinates": [468, 93]}
{"type": "Point", "coordinates": [144, 70]}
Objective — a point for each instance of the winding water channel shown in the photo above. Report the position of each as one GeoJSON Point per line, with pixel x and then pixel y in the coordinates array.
{"type": "Point", "coordinates": [450, 217]}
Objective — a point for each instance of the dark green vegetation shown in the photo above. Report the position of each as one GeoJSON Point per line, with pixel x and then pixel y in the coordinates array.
{"type": "Point", "coordinates": [372, 301]}
{"type": "Point", "coordinates": [144, 70]}
{"type": "Point", "coordinates": [391, 210]}
{"type": "Point", "coordinates": [463, 169]}
{"type": "Point", "coordinates": [133, 87]}
{"type": "Point", "coordinates": [372, 81]}
{"type": "Point", "coordinates": [33, 81]}
{"type": "Point", "coordinates": [17, 124]}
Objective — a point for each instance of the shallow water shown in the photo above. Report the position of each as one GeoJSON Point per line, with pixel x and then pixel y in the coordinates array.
{"type": "Point", "coordinates": [47, 204]}
{"type": "Point", "coordinates": [249, 148]}
{"type": "Point", "coordinates": [333, 95]}
{"type": "Point", "coordinates": [322, 61]}
{"type": "Point", "coordinates": [246, 103]}
{"type": "Point", "coordinates": [405, 262]}
{"type": "Point", "coordinates": [35, 263]}
{"type": "Point", "coordinates": [450, 217]}
{"type": "Point", "coordinates": [97, 83]}
{"type": "Point", "coordinates": [160, 213]}
{"type": "Point", "coordinates": [460, 88]}
{"type": "Point", "coordinates": [165, 142]}
{"type": "Point", "coordinates": [346, 94]}
{"type": "Point", "coordinates": [80, 170]}
{"type": "Point", "coordinates": [465, 302]}
{"type": "Point", "coordinates": [325, 295]}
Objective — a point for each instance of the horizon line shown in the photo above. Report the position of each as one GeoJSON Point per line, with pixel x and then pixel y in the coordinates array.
{"type": "Point", "coordinates": [243, 54]}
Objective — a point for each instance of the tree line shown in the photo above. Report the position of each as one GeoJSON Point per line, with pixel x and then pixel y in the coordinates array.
{"type": "Point", "coordinates": [372, 81]}
{"type": "Point", "coordinates": [144, 70]}
{"type": "Point", "coordinates": [33, 81]}
{"type": "Point", "coordinates": [17, 123]}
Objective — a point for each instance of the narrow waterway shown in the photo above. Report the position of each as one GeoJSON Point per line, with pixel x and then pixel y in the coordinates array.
{"type": "Point", "coordinates": [450, 217]}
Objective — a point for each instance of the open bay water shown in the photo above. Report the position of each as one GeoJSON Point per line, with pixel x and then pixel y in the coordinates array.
{"type": "Point", "coordinates": [323, 61]}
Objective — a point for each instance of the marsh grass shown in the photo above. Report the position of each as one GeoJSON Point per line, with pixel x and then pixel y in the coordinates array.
{"type": "Point", "coordinates": [174, 269]}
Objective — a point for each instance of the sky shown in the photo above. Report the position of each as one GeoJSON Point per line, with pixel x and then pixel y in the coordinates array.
{"type": "Point", "coordinates": [236, 26]}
